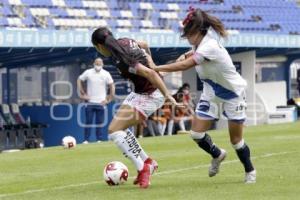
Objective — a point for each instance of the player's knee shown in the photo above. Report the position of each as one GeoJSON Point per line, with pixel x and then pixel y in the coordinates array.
{"type": "Point", "coordinates": [197, 135]}
{"type": "Point", "coordinates": [111, 129]}
{"type": "Point", "coordinates": [115, 136]}
{"type": "Point", "coordinates": [238, 143]}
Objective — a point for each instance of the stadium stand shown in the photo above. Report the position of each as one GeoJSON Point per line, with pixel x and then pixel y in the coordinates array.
{"type": "Point", "coordinates": [273, 16]}
{"type": "Point", "coordinates": [16, 133]}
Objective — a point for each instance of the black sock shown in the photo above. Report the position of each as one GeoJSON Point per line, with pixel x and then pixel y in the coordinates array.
{"type": "Point", "coordinates": [207, 145]}
{"type": "Point", "coordinates": [244, 156]}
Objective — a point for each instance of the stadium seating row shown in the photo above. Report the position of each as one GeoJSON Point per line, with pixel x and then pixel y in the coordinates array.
{"type": "Point", "coordinates": [148, 15]}
{"type": "Point", "coordinates": [15, 132]}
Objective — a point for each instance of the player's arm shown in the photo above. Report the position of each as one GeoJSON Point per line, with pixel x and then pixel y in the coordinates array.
{"type": "Point", "coordinates": [112, 91]}
{"type": "Point", "coordinates": [144, 45]}
{"type": "Point", "coordinates": [82, 94]}
{"type": "Point", "coordinates": [177, 66]}
{"type": "Point", "coordinates": [155, 79]}
{"type": "Point", "coordinates": [80, 87]}
{"type": "Point", "coordinates": [185, 56]}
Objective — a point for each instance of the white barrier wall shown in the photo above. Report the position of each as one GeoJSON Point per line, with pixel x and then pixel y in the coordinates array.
{"type": "Point", "coordinates": [270, 95]}
{"type": "Point", "coordinates": [273, 94]}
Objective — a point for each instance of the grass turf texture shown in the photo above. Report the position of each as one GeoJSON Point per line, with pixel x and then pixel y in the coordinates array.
{"type": "Point", "coordinates": [56, 173]}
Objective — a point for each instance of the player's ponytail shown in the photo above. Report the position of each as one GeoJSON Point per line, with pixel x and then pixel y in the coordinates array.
{"type": "Point", "coordinates": [199, 20]}
{"type": "Point", "coordinates": [105, 37]}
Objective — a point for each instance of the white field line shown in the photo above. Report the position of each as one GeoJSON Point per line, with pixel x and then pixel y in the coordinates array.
{"type": "Point", "coordinates": [156, 174]}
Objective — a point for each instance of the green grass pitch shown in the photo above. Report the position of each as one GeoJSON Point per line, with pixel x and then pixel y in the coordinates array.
{"type": "Point", "coordinates": [59, 174]}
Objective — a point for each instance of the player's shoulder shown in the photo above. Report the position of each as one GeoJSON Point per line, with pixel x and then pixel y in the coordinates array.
{"type": "Point", "coordinates": [105, 72]}
{"type": "Point", "coordinates": [88, 71]}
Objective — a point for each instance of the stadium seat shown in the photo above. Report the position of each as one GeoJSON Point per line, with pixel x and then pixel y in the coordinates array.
{"type": "Point", "coordinates": [2, 140]}
{"type": "Point", "coordinates": [11, 139]}
{"type": "Point", "coordinates": [10, 122]}
{"type": "Point", "coordinates": [29, 135]}
{"type": "Point", "coordinates": [2, 134]}
{"type": "Point", "coordinates": [20, 139]}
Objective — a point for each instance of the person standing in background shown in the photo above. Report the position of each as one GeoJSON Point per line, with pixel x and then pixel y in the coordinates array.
{"type": "Point", "coordinates": [96, 97]}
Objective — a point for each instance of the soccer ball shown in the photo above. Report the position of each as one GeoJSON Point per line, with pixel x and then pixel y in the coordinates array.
{"type": "Point", "coordinates": [115, 173]}
{"type": "Point", "coordinates": [69, 142]}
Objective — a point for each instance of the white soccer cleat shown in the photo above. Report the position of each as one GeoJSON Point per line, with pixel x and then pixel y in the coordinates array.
{"type": "Point", "coordinates": [250, 177]}
{"type": "Point", "coordinates": [215, 164]}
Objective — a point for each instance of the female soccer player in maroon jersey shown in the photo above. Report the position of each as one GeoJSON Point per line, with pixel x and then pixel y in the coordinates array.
{"type": "Point", "coordinates": [149, 94]}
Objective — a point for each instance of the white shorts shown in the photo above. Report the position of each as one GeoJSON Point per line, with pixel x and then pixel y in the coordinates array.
{"type": "Point", "coordinates": [213, 108]}
{"type": "Point", "coordinates": [145, 104]}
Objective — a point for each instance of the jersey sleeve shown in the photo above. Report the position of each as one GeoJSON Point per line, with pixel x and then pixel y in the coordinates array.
{"type": "Point", "coordinates": [84, 76]}
{"type": "Point", "coordinates": [109, 79]}
{"type": "Point", "coordinates": [207, 51]}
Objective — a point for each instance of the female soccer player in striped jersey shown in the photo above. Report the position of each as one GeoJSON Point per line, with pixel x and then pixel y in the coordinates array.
{"type": "Point", "coordinates": [149, 95]}
{"type": "Point", "coordinates": [223, 86]}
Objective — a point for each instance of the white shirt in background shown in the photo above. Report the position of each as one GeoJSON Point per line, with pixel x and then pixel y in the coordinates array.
{"type": "Point", "coordinates": [96, 84]}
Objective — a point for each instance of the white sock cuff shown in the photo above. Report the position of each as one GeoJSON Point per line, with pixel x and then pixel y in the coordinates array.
{"type": "Point", "coordinates": [197, 135]}
{"type": "Point", "coordinates": [113, 136]}
{"type": "Point", "coordinates": [239, 145]}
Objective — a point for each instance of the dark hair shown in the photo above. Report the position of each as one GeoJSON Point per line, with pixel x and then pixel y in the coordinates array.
{"type": "Point", "coordinates": [186, 85]}
{"type": "Point", "coordinates": [199, 20]}
{"type": "Point", "coordinates": [105, 37]}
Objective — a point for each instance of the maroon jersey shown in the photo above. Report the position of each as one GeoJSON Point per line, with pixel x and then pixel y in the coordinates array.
{"type": "Point", "coordinates": [141, 84]}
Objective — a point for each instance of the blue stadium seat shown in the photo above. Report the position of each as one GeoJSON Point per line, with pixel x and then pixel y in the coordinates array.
{"type": "Point", "coordinates": [244, 13]}
{"type": "Point", "coordinates": [74, 4]}
{"type": "Point", "coordinates": [3, 22]}
{"type": "Point", "coordinates": [58, 12]}
{"type": "Point", "coordinates": [35, 3]}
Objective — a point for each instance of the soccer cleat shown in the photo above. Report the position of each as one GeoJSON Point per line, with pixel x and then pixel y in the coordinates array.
{"type": "Point", "coordinates": [153, 167]}
{"type": "Point", "coordinates": [143, 177]}
{"type": "Point", "coordinates": [250, 177]}
{"type": "Point", "coordinates": [85, 142]}
{"type": "Point", "coordinates": [215, 164]}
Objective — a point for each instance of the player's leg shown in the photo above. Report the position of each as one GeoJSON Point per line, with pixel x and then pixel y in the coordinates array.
{"type": "Point", "coordinates": [100, 111]}
{"type": "Point", "coordinates": [242, 150]}
{"type": "Point", "coordinates": [127, 142]}
{"type": "Point", "coordinates": [235, 112]}
{"type": "Point", "coordinates": [118, 132]}
{"type": "Point", "coordinates": [88, 123]}
{"type": "Point", "coordinates": [206, 113]}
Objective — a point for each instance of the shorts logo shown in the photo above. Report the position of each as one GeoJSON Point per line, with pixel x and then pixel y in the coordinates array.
{"type": "Point", "coordinates": [203, 106]}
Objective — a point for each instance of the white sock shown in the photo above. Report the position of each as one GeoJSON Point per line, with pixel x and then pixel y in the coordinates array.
{"type": "Point", "coordinates": [170, 127]}
{"type": "Point", "coordinates": [162, 128]}
{"type": "Point", "coordinates": [181, 125]}
{"type": "Point", "coordinates": [143, 154]}
{"type": "Point", "coordinates": [197, 135]}
{"type": "Point", "coordinates": [239, 145]}
{"type": "Point", "coordinates": [129, 146]}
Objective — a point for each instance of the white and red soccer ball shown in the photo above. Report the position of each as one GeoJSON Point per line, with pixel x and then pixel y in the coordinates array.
{"type": "Point", "coordinates": [115, 173]}
{"type": "Point", "coordinates": [69, 142]}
